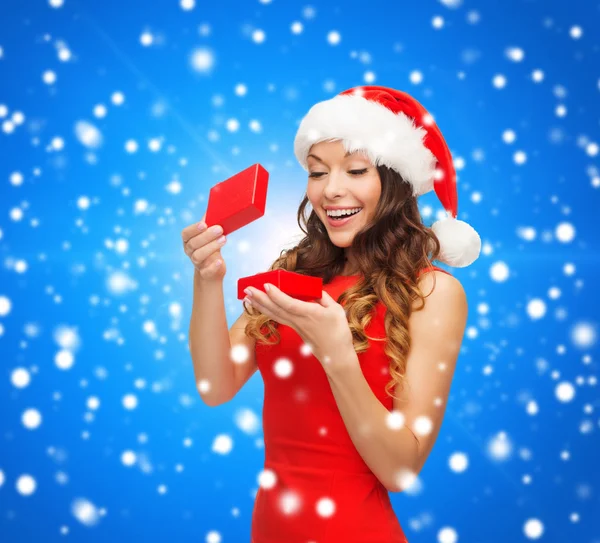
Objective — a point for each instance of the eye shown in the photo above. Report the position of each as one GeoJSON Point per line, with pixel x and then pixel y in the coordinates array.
{"type": "Point", "coordinates": [353, 172]}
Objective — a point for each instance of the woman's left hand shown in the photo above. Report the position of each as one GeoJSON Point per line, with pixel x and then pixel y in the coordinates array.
{"type": "Point", "coordinates": [322, 325]}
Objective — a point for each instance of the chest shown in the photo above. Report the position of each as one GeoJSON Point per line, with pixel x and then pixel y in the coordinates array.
{"type": "Point", "coordinates": [289, 369]}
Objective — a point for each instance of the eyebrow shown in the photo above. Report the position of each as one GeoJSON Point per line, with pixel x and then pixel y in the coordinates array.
{"type": "Point", "coordinates": [317, 158]}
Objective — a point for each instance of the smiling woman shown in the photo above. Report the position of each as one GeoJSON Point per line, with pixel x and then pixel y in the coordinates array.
{"type": "Point", "coordinates": [343, 189]}
{"type": "Point", "coordinates": [385, 244]}
{"type": "Point", "coordinates": [341, 368]}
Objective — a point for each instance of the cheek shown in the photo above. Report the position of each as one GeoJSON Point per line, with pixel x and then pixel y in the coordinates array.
{"type": "Point", "coordinates": [372, 196]}
{"type": "Point", "coordinates": [369, 199]}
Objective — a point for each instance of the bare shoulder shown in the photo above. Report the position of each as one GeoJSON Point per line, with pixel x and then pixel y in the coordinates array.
{"type": "Point", "coordinates": [446, 285]}
{"type": "Point", "coordinates": [436, 332]}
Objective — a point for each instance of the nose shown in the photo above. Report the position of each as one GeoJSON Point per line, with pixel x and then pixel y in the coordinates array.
{"type": "Point", "coordinates": [335, 186]}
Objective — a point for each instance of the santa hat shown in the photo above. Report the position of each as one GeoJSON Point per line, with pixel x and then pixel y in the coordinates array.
{"type": "Point", "coordinates": [396, 131]}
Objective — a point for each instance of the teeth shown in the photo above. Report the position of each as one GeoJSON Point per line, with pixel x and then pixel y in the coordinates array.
{"type": "Point", "coordinates": [340, 212]}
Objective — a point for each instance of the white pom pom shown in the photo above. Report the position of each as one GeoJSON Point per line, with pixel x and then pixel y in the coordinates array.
{"type": "Point", "coordinates": [460, 243]}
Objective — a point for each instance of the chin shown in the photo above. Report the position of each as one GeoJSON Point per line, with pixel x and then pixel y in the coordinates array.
{"type": "Point", "coordinates": [341, 245]}
{"type": "Point", "coordinates": [341, 241]}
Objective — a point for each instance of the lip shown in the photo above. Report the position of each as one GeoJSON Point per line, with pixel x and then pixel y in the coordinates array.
{"type": "Point", "coordinates": [343, 222]}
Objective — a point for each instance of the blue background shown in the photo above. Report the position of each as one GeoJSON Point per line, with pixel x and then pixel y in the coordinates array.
{"type": "Point", "coordinates": [59, 260]}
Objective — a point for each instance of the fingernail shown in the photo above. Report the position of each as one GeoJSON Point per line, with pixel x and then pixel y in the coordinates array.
{"type": "Point", "coordinates": [216, 229]}
{"type": "Point", "coordinates": [267, 287]}
{"type": "Point", "coordinates": [201, 226]}
{"type": "Point", "coordinates": [248, 291]}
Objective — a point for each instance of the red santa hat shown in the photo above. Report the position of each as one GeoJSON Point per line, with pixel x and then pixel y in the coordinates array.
{"type": "Point", "coordinates": [396, 131]}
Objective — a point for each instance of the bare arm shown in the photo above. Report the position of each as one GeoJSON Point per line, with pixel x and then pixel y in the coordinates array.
{"type": "Point", "coordinates": [218, 377]}
{"type": "Point", "coordinates": [389, 445]}
{"type": "Point", "coordinates": [210, 343]}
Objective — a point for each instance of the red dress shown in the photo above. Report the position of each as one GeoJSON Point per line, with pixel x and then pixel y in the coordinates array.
{"type": "Point", "coordinates": [309, 455]}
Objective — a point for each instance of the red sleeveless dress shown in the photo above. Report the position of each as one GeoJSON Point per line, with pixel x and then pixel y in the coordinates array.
{"type": "Point", "coordinates": [311, 464]}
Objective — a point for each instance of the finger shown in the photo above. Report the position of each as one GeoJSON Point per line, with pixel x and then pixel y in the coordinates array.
{"type": "Point", "coordinates": [209, 268]}
{"type": "Point", "coordinates": [190, 231]}
{"type": "Point", "coordinates": [264, 303]}
{"type": "Point", "coordinates": [287, 303]}
{"type": "Point", "coordinates": [198, 256]}
{"type": "Point", "coordinates": [256, 305]}
{"type": "Point", "coordinates": [202, 239]}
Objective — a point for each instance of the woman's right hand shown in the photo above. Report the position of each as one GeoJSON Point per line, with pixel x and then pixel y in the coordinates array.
{"type": "Point", "coordinates": [204, 250]}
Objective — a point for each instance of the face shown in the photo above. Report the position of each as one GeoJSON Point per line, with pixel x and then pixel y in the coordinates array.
{"type": "Point", "coordinates": [340, 180]}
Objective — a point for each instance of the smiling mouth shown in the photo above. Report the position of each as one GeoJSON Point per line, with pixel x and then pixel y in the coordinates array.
{"type": "Point", "coordinates": [342, 220]}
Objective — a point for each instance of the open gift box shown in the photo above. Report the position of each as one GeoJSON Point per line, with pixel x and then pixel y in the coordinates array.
{"type": "Point", "coordinates": [299, 286]}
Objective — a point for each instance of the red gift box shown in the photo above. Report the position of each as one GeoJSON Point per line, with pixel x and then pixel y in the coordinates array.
{"type": "Point", "coordinates": [296, 285]}
{"type": "Point", "coordinates": [239, 200]}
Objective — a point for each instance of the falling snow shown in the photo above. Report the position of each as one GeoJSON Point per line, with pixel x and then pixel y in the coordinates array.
{"type": "Point", "coordinates": [110, 143]}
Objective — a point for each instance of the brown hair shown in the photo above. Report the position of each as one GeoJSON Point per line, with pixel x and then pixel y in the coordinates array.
{"type": "Point", "coordinates": [390, 251]}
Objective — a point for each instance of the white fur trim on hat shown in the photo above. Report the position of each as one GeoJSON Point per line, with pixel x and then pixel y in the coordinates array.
{"type": "Point", "coordinates": [389, 139]}
{"type": "Point", "coordinates": [460, 243]}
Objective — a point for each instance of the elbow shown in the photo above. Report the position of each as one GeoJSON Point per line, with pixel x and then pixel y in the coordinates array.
{"type": "Point", "coordinates": [395, 486]}
{"type": "Point", "coordinates": [404, 478]}
{"type": "Point", "coordinates": [211, 399]}
{"type": "Point", "coordinates": [209, 402]}
{"type": "Point", "coordinates": [403, 482]}
{"type": "Point", "coordinates": [214, 402]}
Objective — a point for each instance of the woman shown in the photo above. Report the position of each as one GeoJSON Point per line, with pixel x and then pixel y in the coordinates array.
{"type": "Point", "coordinates": [356, 383]}
{"type": "Point", "coordinates": [336, 440]}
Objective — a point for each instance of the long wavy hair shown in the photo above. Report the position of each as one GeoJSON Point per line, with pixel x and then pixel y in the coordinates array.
{"type": "Point", "coordinates": [389, 250]}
